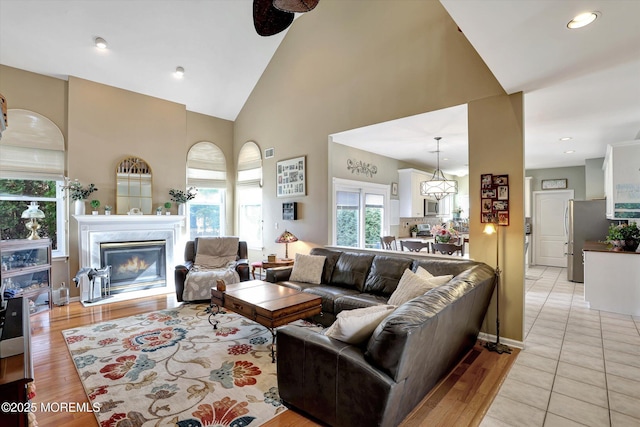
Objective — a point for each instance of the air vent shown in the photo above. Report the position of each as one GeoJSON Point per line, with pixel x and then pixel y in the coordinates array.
{"type": "Point", "coordinates": [269, 153]}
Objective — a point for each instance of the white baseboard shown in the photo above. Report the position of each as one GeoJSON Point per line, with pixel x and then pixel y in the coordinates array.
{"type": "Point", "coordinates": [506, 341]}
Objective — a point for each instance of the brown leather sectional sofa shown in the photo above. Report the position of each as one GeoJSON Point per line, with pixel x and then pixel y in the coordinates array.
{"type": "Point", "coordinates": [380, 382]}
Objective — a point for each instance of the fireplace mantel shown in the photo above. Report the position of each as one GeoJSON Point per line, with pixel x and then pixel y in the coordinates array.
{"type": "Point", "coordinates": [94, 229]}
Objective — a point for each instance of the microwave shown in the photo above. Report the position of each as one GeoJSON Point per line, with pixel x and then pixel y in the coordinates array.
{"type": "Point", "coordinates": [430, 207]}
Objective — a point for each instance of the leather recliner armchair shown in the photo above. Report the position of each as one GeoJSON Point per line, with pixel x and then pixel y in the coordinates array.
{"type": "Point", "coordinates": [190, 249]}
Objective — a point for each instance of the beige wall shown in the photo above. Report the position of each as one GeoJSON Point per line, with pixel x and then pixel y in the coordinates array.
{"type": "Point", "coordinates": [345, 66]}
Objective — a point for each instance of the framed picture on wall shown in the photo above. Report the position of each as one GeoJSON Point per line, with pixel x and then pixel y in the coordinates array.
{"type": "Point", "coordinates": [494, 198]}
{"type": "Point", "coordinates": [554, 184]}
{"type": "Point", "coordinates": [291, 177]}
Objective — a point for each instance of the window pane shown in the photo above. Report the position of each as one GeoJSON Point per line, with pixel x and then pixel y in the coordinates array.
{"type": "Point", "coordinates": [15, 196]}
{"type": "Point", "coordinates": [348, 219]}
{"type": "Point", "coordinates": [206, 213]}
{"type": "Point", "coordinates": [250, 216]}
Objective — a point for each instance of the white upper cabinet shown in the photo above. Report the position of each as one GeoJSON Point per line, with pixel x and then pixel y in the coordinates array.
{"type": "Point", "coordinates": [411, 202]}
{"type": "Point", "coordinates": [622, 180]}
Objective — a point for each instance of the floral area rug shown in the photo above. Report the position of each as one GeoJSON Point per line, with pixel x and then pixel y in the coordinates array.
{"type": "Point", "coordinates": [171, 367]}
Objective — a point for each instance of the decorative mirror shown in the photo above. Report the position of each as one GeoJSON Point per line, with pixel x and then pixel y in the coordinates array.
{"type": "Point", "coordinates": [133, 186]}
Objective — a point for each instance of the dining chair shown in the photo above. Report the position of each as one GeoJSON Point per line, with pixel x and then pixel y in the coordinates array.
{"type": "Point", "coordinates": [414, 246]}
{"type": "Point", "coordinates": [447, 248]}
{"type": "Point", "coordinates": [388, 243]}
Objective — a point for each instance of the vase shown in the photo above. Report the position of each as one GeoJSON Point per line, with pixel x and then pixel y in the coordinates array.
{"type": "Point", "coordinates": [79, 207]}
{"type": "Point", "coordinates": [181, 209]}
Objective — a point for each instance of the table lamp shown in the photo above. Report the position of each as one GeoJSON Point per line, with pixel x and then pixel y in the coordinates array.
{"type": "Point", "coordinates": [33, 213]}
{"type": "Point", "coordinates": [286, 238]}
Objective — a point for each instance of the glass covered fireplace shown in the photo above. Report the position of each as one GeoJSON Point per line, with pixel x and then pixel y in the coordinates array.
{"type": "Point", "coordinates": [135, 266]}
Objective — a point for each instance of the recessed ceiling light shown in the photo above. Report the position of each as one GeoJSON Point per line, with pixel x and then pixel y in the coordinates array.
{"type": "Point", "coordinates": [100, 43]}
{"type": "Point", "coordinates": [565, 138]}
{"type": "Point", "coordinates": [179, 72]}
{"type": "Point", "coordinates": [582, 20]}
{"type": "Point", "coordinates": [569, 151]}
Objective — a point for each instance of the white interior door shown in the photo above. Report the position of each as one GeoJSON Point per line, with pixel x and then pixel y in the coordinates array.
{"type": "Point", "coordinates": [550, 227]}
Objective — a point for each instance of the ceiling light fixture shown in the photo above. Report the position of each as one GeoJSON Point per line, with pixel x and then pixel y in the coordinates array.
{"type": "Point", "coordinates": [566, 138]}
{"type": "Point", "coordinates": [569, 151]}
{"type": "Point", "coordinates": [179, 72]}
{"type": "Point", "coordinates": [438, 186]}
{"type": "Point", "coordinates": [100, 43]}
{"type": "Point", "coordinates": [582, 20]}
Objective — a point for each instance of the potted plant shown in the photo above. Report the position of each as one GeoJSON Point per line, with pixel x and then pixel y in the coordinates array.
{"type": "Point", "coordinates": [79, 194]}
{"type": "Point", "coordinates": [107, 209]}
{"type": "Point", "coordinates": [414, 230]}
{"type": "Point", "coordinates": [182, 197]}
{"type": "Point", "coordinates": [442, 234]}
{"type": "Point", "coordinates": [159, 210]}
{"type": "Point", "coordinates": [95, 204]}
{"type": "Point", "coordinates": [624, 237]}
{"type": "Point", "coordinates": [167, 206]}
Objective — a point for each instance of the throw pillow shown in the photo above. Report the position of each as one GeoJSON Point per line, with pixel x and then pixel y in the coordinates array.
{"type": "Point", "coordinates": [412, 285]}
{"type": "Point", "coordinates": [356, 326]}
{"type": "Point", "coordinates": [422, 272]}
{"type": "Point", "coordinates": [307, 268]}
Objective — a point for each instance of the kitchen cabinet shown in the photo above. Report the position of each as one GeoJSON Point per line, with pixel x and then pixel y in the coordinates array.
{"type": "Point", "coordinates": [26, 271]}
{"type": "Point", "coordinates": [411, 201]}
{"type": "Point", "coordinates": [622, 180]}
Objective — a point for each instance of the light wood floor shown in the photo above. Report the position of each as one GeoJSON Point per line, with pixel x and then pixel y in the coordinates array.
{"type": "Point", "coordinates": [460, 399]}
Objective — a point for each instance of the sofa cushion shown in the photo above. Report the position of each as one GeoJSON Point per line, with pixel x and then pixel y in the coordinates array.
{"type": "Point", "coordinates": [331, 257]}
{"type": "Point", "coordinates": [307, 268]}
{"type": "Point", "coordinates": [351, 270]}
{"type": "Point", "coordinates": [411, 285]}
{"type": "Point", "coordinates": [356, 326]}
{"type": "Point", "coordinates": [349, 302]}
{"type": "Point", "coordinates": [385, 273]}
{"type": "Point", "coordinates": [329, 294]}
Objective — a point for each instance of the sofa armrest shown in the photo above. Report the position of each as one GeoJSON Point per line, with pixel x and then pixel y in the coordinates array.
{"type": "Point", "coordinates": [242, 267]}
{"type": "Point", "coordinates": [180, 276]}
{"type": "Point", "coordinates": [325, 377]}
{"type": "Point", "coordinates": [278, 274]}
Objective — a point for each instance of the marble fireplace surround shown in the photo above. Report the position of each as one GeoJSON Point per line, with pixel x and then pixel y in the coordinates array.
{"type": "Point", "coordinates": [94, 229]}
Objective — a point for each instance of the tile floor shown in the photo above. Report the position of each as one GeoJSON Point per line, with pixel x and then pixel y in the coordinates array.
{"type": "Point", "coordinates": [580, 367]}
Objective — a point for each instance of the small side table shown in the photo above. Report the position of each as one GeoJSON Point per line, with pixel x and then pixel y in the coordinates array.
{"type": "Point", "coordinates": [279, 262]}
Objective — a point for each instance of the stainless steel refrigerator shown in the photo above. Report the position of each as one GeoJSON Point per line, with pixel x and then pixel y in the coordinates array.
{"type": "Point", "coordinates": [586, 221]}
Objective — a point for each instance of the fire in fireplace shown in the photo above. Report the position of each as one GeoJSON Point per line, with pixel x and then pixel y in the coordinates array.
{"type": "Point", "coordinates": [135, 265]}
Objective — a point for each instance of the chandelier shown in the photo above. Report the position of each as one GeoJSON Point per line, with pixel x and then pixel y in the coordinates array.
{"type": "Point", "coordinates": [438, 186]}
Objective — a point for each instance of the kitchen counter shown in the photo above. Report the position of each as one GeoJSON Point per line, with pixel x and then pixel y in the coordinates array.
{"type": "Point", "coordinates": [603, 247]}
{"type": "Point", "coordinates": [611, 279]}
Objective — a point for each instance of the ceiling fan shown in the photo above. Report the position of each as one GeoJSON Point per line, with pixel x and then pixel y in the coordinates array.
{"type": "Point", "coordinates": [273, 16]}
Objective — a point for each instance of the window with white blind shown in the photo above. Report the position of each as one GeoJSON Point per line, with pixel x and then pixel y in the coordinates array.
{"type": "Point", "coordinates": [207, 171]}
{"type": "Point", "coordinates": [249, 195]}
{"type": "Point", "coordinates": [32, 169]}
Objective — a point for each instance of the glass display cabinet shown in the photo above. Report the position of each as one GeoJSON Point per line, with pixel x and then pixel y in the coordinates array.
{"type": "Point", "coordinates": [26, 272]}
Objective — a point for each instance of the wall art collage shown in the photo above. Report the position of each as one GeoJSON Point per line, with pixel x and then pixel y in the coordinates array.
{"type": "Point", "coordinates": [494, 198]}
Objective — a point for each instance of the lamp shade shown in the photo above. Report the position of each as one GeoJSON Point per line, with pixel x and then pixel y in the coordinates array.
{"type": "Point", "coordinates": [286, 237]}
{"type": "Point", "coordinates": [489, 228]}
{"type": "Point", "coordinates": [33, 211]}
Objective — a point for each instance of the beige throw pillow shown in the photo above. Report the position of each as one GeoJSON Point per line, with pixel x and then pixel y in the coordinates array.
{"type": "Point", "coordinates": [412, 285]}
{"type": "Point", "coordinates": [356, 326]}
{"type": "Point", "coordinates": [422, 272]}
{"type": "Point", "coordinates": [307, 268]}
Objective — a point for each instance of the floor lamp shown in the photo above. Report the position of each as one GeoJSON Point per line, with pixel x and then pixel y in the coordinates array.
{"type": "Point", "coordinates": [491, 228]}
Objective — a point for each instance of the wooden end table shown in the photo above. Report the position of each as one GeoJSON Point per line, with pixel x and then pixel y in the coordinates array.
{"type": "Point", "coordinates": [268, 304]}
{"type": "Point", "coordinates": [279, 262]}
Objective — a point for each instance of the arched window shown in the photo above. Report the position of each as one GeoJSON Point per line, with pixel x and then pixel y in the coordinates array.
{"type": "Point", "coordinates": [207, 171]}
{"type": "Point", "coordinates": [249, 195]}
{"type": "Point", "coordinates": [32, 169]}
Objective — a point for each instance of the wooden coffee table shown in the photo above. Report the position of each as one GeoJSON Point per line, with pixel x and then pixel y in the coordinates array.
{"type": "Point", "coordinates": [266, 303]}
